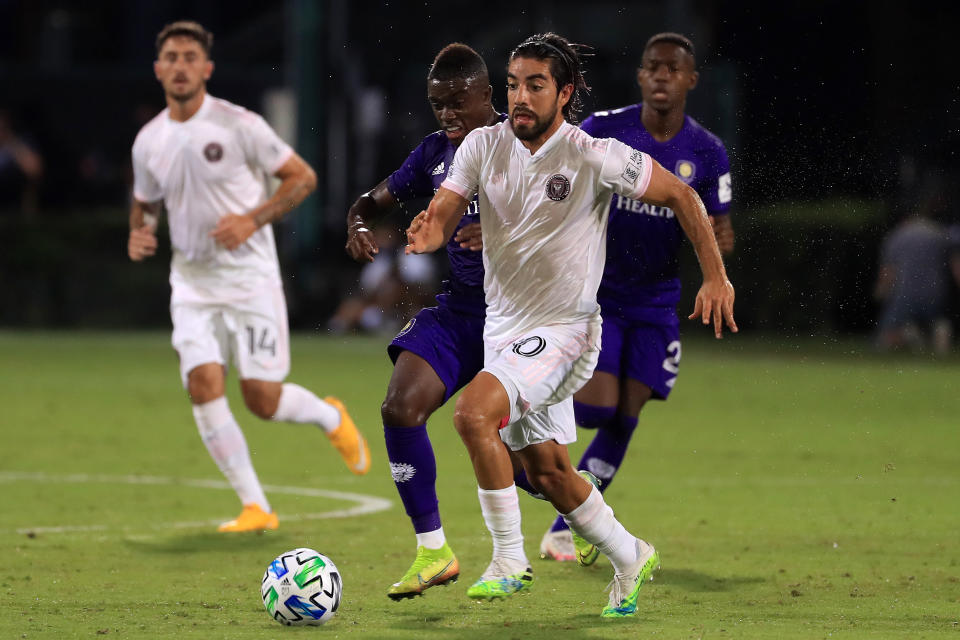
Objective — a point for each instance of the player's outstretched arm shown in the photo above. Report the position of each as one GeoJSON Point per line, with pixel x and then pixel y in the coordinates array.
{"type": "Point", "coordinates": [431, 229]}
{"type": "Point", "coordinates": [142, 242]}
{"type": "Point", "coordinates": [297, 181]}
{"type": "Point", "coordinates": [368, 208]}
{"type": "Point", "coordinates": [715, 298]}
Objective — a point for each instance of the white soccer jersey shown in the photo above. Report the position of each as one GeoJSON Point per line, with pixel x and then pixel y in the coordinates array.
{"type": "Point", "coordinates": [211, 165]}
{"type": "Point", "coordinates": [544, 221]}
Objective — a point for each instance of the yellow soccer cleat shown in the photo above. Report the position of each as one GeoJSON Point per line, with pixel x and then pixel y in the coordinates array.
{"type": "Point", "coordinates": [431, 568]}
{"type": "Point", "coordinates": [349, 441]}
{"type": "Point", "coordinates": [252, 518]}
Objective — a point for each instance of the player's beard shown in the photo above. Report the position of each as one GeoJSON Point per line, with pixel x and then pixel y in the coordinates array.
{"type": "Point", "coordinates": [535, 130]}
{"type": "Point", "coordinates": [185, 95]}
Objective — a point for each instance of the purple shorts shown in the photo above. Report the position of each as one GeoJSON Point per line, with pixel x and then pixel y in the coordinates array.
{"type": "Point", "coordinates": [648, 353]}
{"type": "Point", "coordinates": [451, 342]}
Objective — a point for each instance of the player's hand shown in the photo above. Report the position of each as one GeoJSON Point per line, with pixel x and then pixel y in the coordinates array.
{"type": "Point", "coordinates": [233, 230]}
{"type": "Point", "coordinates": [715, 302]}
{"type": "Point", "coordinates": [361, 245]}
{"type": "Point", "coordinates": [423, 234]}
{"type": "Point", "coordinates": [142, 243]}
{"type": "Point", "coordinates": [470, 237]}
{"type": "Point", "coordinates": [723, 231]}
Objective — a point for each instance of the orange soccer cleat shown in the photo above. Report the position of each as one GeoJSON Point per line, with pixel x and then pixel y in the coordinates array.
{"type": "Point", "coordinates": [252, 518]}
{"type": "Point", "coordinates": [349, 441]}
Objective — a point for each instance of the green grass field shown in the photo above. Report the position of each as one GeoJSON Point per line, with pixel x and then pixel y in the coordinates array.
{"type": "Point", "coordinates": [793, 492]}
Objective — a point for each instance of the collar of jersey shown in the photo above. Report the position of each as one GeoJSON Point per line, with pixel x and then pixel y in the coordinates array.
{"type": "Point", "coordinates": [207, 99]}
{"type": "Point", "coordinates": [551, 142]}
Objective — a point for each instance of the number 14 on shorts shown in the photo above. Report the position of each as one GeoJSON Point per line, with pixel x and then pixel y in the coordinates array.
{"type": "Point", "coordinates": [262, 340]}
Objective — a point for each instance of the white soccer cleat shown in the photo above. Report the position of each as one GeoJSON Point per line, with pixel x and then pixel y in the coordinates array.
{"type": "Point", "coordinates": [558, 545]}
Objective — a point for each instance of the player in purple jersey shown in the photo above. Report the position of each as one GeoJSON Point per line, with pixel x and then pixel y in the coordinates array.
{"type": "Point", "coordinates": [640, 289]}
{"type": "Point", "coordinates": [441, 348]}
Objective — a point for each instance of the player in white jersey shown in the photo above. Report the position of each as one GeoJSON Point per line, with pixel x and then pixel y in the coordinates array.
{"type": "Point", "coordinates": [544, 187]}
{"type": "Point", "coordinates": [205, 161]}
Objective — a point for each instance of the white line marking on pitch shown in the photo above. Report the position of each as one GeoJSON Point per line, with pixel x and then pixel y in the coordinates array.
{"type": "Point", "coordinates": [365, 503]}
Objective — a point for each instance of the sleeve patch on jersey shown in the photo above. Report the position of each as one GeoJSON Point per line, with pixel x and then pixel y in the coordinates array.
{"type": "Point", "coordinates": [631, 172]}
{"type": "Point", "coordinates": [724, 190]}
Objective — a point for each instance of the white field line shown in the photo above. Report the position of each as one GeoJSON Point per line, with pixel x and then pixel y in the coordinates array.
{"type": "Point", "coordinates": [364, 503]}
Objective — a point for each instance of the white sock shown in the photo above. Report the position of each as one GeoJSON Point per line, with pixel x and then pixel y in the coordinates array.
{"type": "Point", "coordinates": [594, 522]}
{"type": "Point", "coordinates": [501, 512]}
{"type": "Point", "coordinates": [302, 406]}
{"type": "Point", "coordinates": [226, 444]}
{"type": "Point", "coordinates": [431, 539]}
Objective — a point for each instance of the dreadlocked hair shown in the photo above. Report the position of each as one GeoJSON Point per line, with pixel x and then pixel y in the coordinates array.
{"type": "Point", "coordinates": [566, 66]}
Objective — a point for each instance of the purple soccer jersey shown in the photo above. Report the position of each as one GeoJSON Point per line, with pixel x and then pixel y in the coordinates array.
{"type": "Point", "coordinates": [450, 336]}
{"type": "Point", "coordinates": [641, 275]}
{"type": "Point", "coordinates": [420, 177]}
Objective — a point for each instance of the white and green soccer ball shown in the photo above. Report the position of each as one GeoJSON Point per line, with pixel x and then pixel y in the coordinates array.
{"type": "Point", "coordinates": [301, 587]}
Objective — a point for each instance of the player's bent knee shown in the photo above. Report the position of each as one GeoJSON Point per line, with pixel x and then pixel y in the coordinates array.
{"type": "Point", "coordinates": [472, 421]}
{"type": "Point", "coordinates": [205, 383]}
{"type": "Point", "coordinates": [261, 397]}
{"type": "Point", "coordinates": [404, 410]}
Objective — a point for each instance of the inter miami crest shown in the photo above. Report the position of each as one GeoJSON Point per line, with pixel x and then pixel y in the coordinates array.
{"type": "Point", "coordinates": [558, 187]}
{"type": "Point", "coordinates": [213, 152]}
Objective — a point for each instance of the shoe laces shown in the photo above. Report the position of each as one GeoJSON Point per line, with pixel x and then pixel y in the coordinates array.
{"type": "Point", "coordinates": [500, 568]}
{"type": "Point", "coordinates": [618, 588]}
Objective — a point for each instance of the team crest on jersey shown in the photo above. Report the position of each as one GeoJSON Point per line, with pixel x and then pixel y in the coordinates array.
{"type": "Point", "coordinates": [213, 152]}
{"type": "Point", "coordinates": [529, 347]}
{"type": "Point", "coordinates": [407, 327]}
{"type": "Point", "coordinates": [558, 187]}
{"type": "Point", "coordinates": [686, 170]}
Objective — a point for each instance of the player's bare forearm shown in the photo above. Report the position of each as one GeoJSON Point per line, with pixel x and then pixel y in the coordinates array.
{"type": "Point", "coordinates": [361, 245]}
{"type": "Point", "coordinates": [692, 215]}
{"type": "Point", "coordinates": [432, 228]}
{"type": "Point", "coordinates": [297, 181]}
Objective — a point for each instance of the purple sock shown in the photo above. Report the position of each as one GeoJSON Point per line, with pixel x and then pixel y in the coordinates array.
{"type": "Point", "coordinates": [590, 416]}
{"type": "Point", "coordinates": [605, 453]}
{"type": "Point", "coordinates": [414, 471]}
{"type": "Point", "coordinates": [523, 483]}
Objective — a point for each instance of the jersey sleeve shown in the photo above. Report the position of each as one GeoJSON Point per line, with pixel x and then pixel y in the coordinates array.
{"type": "Point", "coordinates": [411, 179]}
{"type": "Point", "coordinates": [715, 188]}
{"type": "Point", "coordinates": [463, 176]}
{"type": "Point", "coordinates": [262, 146]}
{"type": "Point", "coordinates": [145, 186]}
{"type": "Point", "coordinates": [625, 170]}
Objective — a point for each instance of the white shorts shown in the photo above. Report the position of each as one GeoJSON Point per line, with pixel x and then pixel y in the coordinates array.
{"type": "Point", "coordinates": [541, 371]}
{"type": "Point", "coordinates": [252, 334]}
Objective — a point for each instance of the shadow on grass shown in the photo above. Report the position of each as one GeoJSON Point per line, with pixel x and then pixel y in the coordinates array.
{"type": "Point", "coordinates": [207, 542]}
{"type": "Point", "coordinates": [702, 582]}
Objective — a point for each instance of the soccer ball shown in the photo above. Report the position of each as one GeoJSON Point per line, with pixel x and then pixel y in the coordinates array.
{"type": "Point", "coordinates": [301, 587]}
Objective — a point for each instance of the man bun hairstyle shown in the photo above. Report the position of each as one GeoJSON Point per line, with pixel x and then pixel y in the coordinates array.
{"type": "Point", "coordinates": [566, 66]}
{"type": "Point", "coordinates": [187, 29]}
{"type": "Point", "coordinates": [678, 39]}
{"type": "Point", "coordinates": [457, 61]}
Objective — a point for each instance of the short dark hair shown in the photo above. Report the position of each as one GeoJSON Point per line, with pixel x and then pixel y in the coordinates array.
{"type": "Point", "coordinates": [678, 39]}
{"type": "Point", "coordinates": [187, 29]}
{"type": "Point", "coordinates": [566, 66]}
{"type": "Point", "coordinates": [457, 61]}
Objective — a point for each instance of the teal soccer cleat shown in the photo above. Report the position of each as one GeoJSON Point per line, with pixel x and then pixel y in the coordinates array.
{"type": "Point", "coordinates": [500, 580]}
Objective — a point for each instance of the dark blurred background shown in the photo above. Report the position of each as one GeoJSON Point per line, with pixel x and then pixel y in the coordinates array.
{"type": "Point", "coordinates": [838, 121]}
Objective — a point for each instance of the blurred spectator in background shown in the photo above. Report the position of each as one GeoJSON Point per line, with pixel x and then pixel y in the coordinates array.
{"type": "Point", "coordinates": [392, 288]}
{"type": "Point", "coordinates": [21, 168]}
{"type": "Point", "coordinates": [913, 285]}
